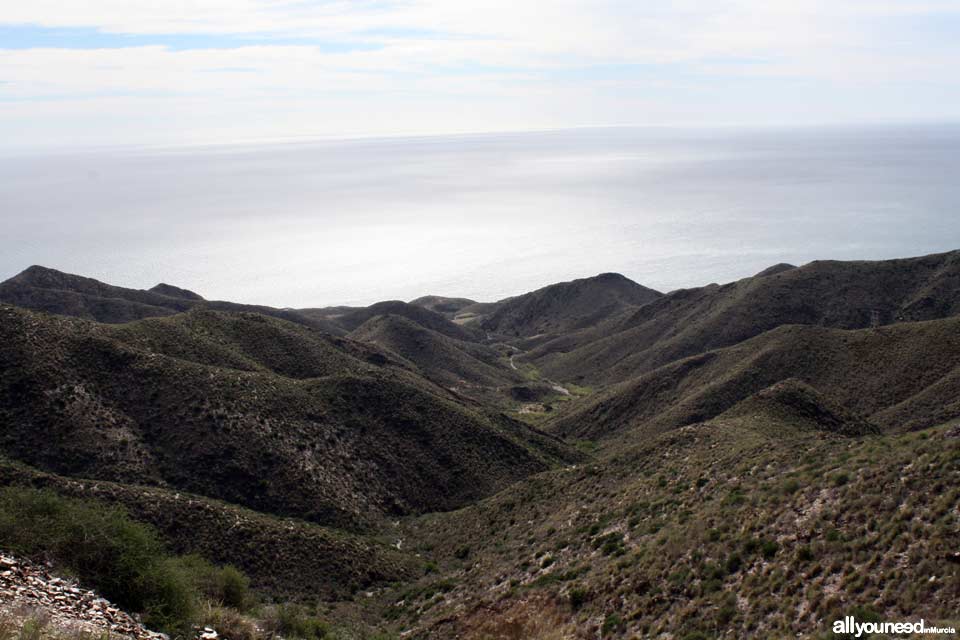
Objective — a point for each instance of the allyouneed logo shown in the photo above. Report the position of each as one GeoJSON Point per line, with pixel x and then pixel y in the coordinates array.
{"type": "Point", "coordinates": [850, 626]}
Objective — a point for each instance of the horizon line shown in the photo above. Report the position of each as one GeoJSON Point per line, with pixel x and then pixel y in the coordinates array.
{"type": "Point", "coordinates": [455, 295]}
{"type": "Point", "coordinates": [318, 138]}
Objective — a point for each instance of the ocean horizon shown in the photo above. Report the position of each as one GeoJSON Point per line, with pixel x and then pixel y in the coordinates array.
{"type": "Point", "coordinates": [353, 221]}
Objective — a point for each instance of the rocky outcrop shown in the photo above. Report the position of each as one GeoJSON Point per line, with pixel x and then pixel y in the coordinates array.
{"type": "Point", "coordinates": [28, 589]}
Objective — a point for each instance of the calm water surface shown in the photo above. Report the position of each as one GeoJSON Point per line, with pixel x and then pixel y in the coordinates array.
{"type": "Point", "coordinates": [483, 216]}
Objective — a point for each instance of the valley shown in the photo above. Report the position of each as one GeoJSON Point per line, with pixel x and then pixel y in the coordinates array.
{"type": "Point", "coordinates": [593, 459]}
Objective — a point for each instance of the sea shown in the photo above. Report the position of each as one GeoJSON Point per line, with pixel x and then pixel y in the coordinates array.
{"type": "Point", "coordinates": [312, 223]}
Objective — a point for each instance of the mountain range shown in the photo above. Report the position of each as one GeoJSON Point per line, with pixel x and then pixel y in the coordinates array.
{"type": "Point", "coordinates": [591, 459]}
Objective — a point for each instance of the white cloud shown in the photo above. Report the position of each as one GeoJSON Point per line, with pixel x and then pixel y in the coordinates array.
{"type": "Point", "coordinates": [465, 65]}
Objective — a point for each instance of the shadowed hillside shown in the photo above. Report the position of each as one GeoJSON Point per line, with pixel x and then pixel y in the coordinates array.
{"type": "Point", "coordinates": [590, 460]}
{"type": "Point", "coordinates": [903, 376]}
{"type": "Point", "coordinates": [43, 289]}
{"type": "Point", "coordinates": [567, 306]}
{"type": "Point", "coordinates": [343, 442]}
{"type": "Point", "coordinates": [449, 307]}
{"type": "Point", "coordinates": [283, 557]}
{"type": "Point", "coordinates": [171, 291]}
{"type": "Point", "coordinates": [424, 317]}
{"type": "Point", "coordinates": [846, 295]}
{"type": "Point", "coordinates": [447, 361]}
{"type": "Point", "coordinates": [796, 404]}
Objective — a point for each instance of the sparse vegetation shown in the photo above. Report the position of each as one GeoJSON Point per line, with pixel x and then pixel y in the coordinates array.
{"type": "Point", "coordinates": [739, 464]}
{"type": "Point", "coordinates": [121, 558]}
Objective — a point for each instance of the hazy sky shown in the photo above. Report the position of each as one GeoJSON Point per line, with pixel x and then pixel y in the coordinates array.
{"type": "Point", "coordinates": [197, 71]}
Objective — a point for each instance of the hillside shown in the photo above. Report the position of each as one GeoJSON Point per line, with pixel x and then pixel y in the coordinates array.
{"type": "Point", "coordinates": [567, 306]}
{"type": "Point", "coordinates": [343, 443]}
{"type": "Point", "coordinates": [590, 460]}
{"type": "Point", "coordinates": [449, 307]}
{"type": "Point", "coordinates": [284, 557]}
{"type": "Point", "coordinates": [446, 361]}
{"type": "Point", "coordinates": [52, 291]}
{"type": "Point", "coordinates": [844, 295]}
{"type": "Point", "coordinates": [740, 527]}
{"type": "Point", "coordinates": [171, 291]}
{"type": "Point", "coordinates": [795, 403]}
{"type": "Point", "coordinates": [902, 376]}
{"type": "Point", "coordinates": [422, 316]}
{"type": "Point", "coordinates": [30, 595]}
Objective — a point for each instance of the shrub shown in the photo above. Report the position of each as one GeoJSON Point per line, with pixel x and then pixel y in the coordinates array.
{"type": "Point", "coordinates": [734, 562]}
{"type": "Point", "coordinates": [727, 612]}
{"type": "Point", "coordinates": [791, 486]}
{"type": "Point", "coordinates": [734, 498]}
{"type": "Point", "coordinates": [99, 544]}
{"type": "Point", "coordinates": [230, 624]}
{"type": "Point", "coordinates": [234, 587]}
{"type": "Point", "coordinates": [170, 597]}
{"type": "Point", "coordinates": [611, 624]}
{"type": "Point", "coordinates": [610, 544]}
{"type": "Point", "coordinates": [769, 548]}
{"type": "Point", "coordinates": [293, 621]}
{"type": "Point", "coordinates": [122, 559]}
{"type": "Point", "coordinates": [227, 585]}
{"type": "Point", "coordinates": [578, 597]}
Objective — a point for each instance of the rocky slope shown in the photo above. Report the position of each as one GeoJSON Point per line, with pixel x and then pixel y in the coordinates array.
{"type": "Point", "coordinates": [29, 592]}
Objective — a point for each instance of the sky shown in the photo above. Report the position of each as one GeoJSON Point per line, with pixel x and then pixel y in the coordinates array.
{"type": "Point", "coordinates": [180, 72]}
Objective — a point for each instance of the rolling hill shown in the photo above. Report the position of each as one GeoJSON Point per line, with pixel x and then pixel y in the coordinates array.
{"type": "Point", "coordinates": [252, 410]}
{"type": "Point", "coordinates": [449, 307]}
{"type": "Point", "coordinates": [843, 295]}
{"type": "Point", "coordinates": [43, 289]}
{"type": "Point", "coordinates": [593, 459]}
{"type": "Point", "coordinates": [445, 360]}
{"type": "Point", "coordinates": [422, 316]}
{"type": "Point", "coordinates": [902, 376]}
{"type": "Point", "coordinates": [748, 525]}
{"type": "Point", "coordinates": [567, 306]}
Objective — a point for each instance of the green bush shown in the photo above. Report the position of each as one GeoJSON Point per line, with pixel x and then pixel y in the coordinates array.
{"type": "Point", "coordinates": [769, 548]}
{"type": "Point", "coordinates": [227, 585]}
{"type": "Point", "coordinates": [611, 624]}
{"type": "Point", "coordinates": [577, 597]}
{"type": "Point", "coordinates": [734, 562]}
{"type": "Point", "coordinates": [100, 544]}
{"type": "Point", "coordinates": [170, 596]}
{"type": "Point", "coordinates": [726, 613]}
{"type": "Point", "coordinates": [293, 621]}
{"type": "Point", "coordinates": [122, 559]}
{"type": "Point", "coordinates": [791, 486]}
{"type": "Point", "coordinates": [234, 588]}
{"type": "Point", "coordinates": [231, 624]}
